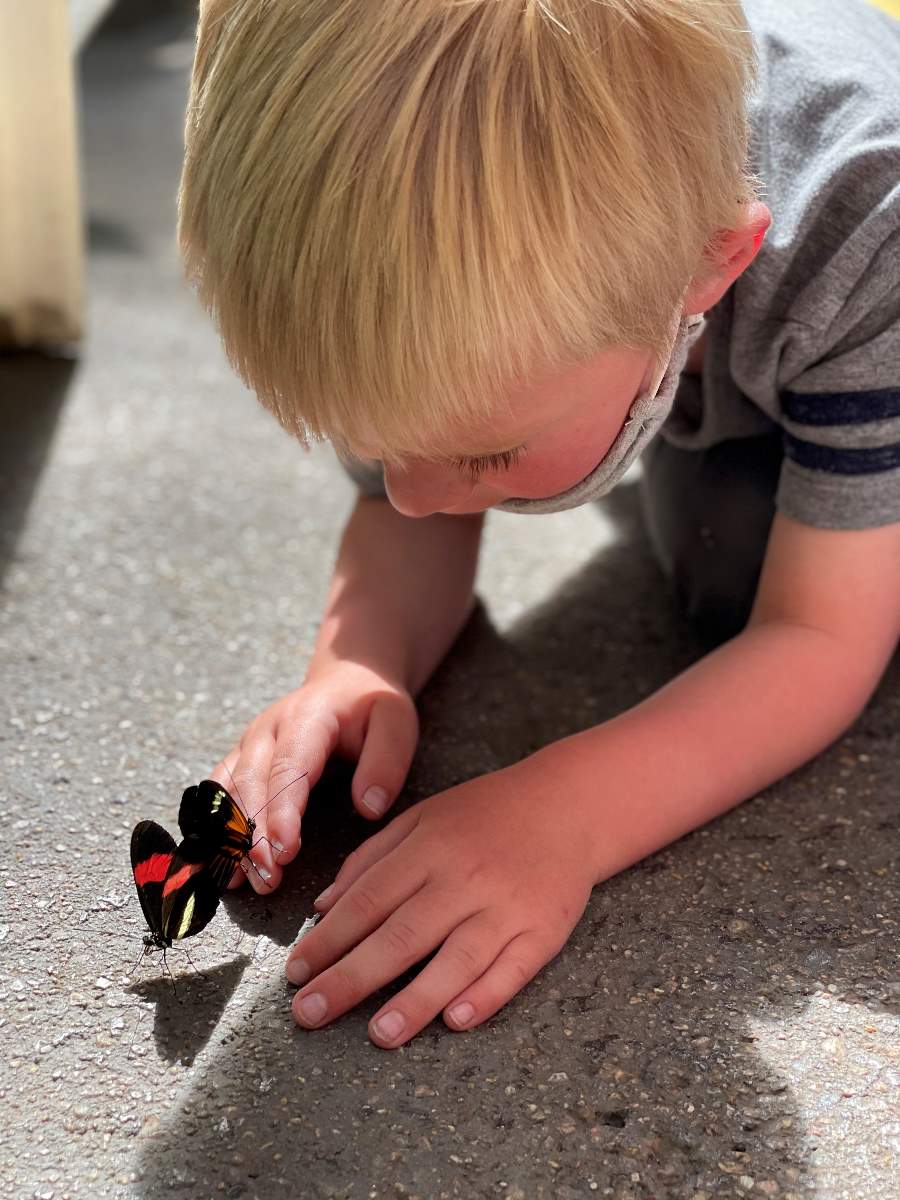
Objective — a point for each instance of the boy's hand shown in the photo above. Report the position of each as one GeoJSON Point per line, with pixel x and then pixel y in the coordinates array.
{"type": "Point", "coordinates": [346, 708]}
{"type": "Point", "coordinates": [493, 874]}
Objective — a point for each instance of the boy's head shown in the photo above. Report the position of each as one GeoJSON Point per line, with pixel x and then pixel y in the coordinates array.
{"type": "Point", "coordinates": [422, 225]}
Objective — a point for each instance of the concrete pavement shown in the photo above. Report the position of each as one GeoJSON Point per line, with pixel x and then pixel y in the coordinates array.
{"type": "Point", "coordinates": [722, 1022]}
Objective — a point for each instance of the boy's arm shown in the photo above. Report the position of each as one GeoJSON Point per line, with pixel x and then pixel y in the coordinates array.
{"type": "Point", "coordinates": [400, 594]}
{"type": "Point", "coordinates": [494, 873]}
{"type": "Point", "coordinates": [401, 591]}
{"type": "Point", "coordinates": [825, 623]}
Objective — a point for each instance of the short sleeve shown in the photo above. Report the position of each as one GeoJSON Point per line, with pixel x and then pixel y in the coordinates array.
{"type": "Point", "coordinates": [841, 472]}
{"type": "Point", "coordinates": [841, 415]}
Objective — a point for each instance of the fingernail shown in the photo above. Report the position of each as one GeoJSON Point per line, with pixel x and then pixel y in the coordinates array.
{"type": "Point", "coordinates": [322, 898]}
{"type": "Point", "coordinates": [277, 846]}
{"type": "Point", "coordinates": [297, 971]}
{"type": "Point", "coordinates": [389, 1026]}
{"type": "Point", "coordinates": [264, 872]}
{"type": "Point", "coordinates": [312, 1008]}
{"type": "Point", "coordinates": [461, 1014]}
{"type": "Point", "coordinates": [376, 800]}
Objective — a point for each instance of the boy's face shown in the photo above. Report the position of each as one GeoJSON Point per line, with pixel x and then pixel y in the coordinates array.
{"type": "Point", "coordinates": [563, 425]}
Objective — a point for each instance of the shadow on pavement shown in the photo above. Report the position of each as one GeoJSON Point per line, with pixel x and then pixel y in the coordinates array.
{"type": "Point", "coordinates": [331, 829]}
{"type": "Point", "coordinates": [632, 1065]}
{"type": "Point", "coordinates": [32, 391]}
{"type": "Point", "coordinates": [188, 1006]}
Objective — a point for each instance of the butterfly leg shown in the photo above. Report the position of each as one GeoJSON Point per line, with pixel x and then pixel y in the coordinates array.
{"type": "Point", "coordinates": [169, 973]}
{"type": "Point", "coordinates": [139, 960]}
{"type": "Point", "coordinates": [247, 862]}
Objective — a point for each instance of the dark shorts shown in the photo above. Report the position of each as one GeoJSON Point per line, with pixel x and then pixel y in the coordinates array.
{"type": "Point", "coordinates": [708, 514]}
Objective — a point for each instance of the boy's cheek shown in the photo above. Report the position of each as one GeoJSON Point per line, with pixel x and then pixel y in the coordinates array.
{"type": "Point", "coordinates": [537, 479]}
{"type": "Point", "coordinates": [543, 472]}
{"type": "Point", "coordinates": [551, 473]}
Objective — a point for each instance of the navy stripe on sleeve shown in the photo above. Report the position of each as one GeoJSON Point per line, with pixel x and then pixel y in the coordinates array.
{"type": "Point", "coordinates": [841, 460]}
{"type": "Point", "coordinates": [841, 408]}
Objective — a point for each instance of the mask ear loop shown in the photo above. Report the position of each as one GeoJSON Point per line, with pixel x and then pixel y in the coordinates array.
{"type": "Point", "coordinates": [666, 359]}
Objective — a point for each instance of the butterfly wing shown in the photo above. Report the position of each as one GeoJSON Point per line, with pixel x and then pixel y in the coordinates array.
{"type": "Point", "coordinates": [190, 820]}
{"type": "Point", "coordinates": [152, 853]}
{"type": "Point", "coordinates": [209, 814]}
{"type": "Point", "coordinates": [217, 835]}
{"type": "Point", "coordinates": [190, 891]}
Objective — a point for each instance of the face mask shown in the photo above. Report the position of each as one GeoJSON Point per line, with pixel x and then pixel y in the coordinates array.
{"type": "Point", "coordinates": [645, 416]}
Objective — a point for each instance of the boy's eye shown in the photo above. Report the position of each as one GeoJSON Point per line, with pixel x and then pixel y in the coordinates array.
{"type": "Point", "coordinates": [503, 460]}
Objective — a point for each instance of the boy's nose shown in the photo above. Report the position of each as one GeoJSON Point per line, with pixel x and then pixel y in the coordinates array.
{"type": "Point", "coordinates": [420, 490]}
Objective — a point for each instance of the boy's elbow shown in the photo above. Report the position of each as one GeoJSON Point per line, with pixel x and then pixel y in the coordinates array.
{"type": "Point", "coordinates": [838, 590]}
{"type": "Point", "coordinates": [837, 675]}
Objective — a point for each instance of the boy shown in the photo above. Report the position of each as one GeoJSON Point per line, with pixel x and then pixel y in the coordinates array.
{"type": "Point", "coordinates": [472, 244]}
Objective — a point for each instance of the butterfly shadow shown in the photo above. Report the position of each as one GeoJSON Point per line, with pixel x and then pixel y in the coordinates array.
{"type": "Point", "coordinates": [188, 1006]}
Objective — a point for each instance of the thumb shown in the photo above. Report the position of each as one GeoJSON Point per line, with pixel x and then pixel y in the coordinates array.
{"type": "Point", "coordinates": [388, 749]}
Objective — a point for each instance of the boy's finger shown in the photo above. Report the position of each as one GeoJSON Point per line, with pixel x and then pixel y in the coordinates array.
{"type": "Point", "coordinates": [365, 910]}
{"type": "Point", "coordinates": [288, 795]}
{"type": "Point", "coordinates": [367, 855]}
{"type": "Point", "coordinates": [466, 955]}
{"type": "Point", "coordinates": [414, 927]}
{"type": "Point", "coordinates": [242, 772]}
{"type": "Point", "coordinates": [387, 752]}
{"type": "Point", "coordinates": [515, 966]}
{"type": "Point", "coordinates": [295, 766]}
{"type": "Point", "coordinates": [359, 911]}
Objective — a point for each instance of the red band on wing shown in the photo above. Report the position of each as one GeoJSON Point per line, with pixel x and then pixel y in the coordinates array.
{"type": "Point", "coordinates": [180, 878]}
{"type": "Point", "coordinates": [152, 870]}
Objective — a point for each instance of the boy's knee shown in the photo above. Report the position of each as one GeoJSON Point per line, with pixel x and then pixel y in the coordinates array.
{"type": "Point", "coordinates": [708, 514]}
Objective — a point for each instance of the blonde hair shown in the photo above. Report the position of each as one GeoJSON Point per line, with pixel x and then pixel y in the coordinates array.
{"type": "Point", "coordinates": [394, 209]}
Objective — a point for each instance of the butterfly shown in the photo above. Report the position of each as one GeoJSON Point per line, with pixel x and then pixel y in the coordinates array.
{"type": "Point", "coordinates": [179, 886]}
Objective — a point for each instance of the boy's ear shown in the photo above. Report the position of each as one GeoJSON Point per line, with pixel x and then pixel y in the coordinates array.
{"type": "Point", "coordinates": [729, 254]}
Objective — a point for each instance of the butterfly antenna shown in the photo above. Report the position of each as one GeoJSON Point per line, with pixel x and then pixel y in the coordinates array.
{"type": "Point", "coordinates": [263, 838]}
{"type": "Point", "coordinates": [95, 931]}
{"type": "Point", "coordinates": [236, 788]}
{"type": "Point", "coordinates": [277, 794]}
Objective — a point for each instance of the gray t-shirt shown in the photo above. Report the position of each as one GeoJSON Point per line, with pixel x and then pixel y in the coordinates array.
{"type": "Point", "coordinates": [808, 339]}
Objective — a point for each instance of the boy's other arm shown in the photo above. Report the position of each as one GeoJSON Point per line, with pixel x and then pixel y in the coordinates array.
{"type": "Point", "coordinates": [824, 626]}
{"type": "Point", "coordinates": [494, 873]}
{"type": "Point", "coordinates": [401, 592]}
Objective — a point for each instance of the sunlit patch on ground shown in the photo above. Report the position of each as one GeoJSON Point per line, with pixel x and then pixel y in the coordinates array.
{"type": "Point", "coordinates": [844, 1090]}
